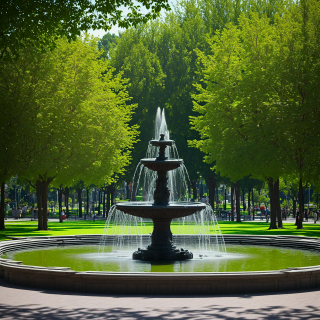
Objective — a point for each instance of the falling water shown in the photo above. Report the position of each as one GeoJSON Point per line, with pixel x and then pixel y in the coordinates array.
{"type": "Point", "coordinates": [130, 231]}
{"type": "Point", "coordinates": [146, 180]}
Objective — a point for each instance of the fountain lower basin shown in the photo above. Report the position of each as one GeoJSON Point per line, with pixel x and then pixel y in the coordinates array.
{"type": "Point", "coordinates": [162, 247]}
{"type": "Point", "coordinates": [192, 283]}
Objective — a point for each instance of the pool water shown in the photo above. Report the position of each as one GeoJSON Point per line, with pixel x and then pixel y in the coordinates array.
{"type": "Point", "coordinates": [238, 258]}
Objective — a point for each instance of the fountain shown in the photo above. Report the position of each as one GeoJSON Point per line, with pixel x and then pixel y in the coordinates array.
{"type": "Point", "coordinates": [161, 211]}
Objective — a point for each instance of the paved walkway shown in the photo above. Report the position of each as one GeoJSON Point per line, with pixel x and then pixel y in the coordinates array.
{"type": "Point", "coordinates": [35, 304]}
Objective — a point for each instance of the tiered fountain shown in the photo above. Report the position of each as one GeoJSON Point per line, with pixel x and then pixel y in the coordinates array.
{"type": "Point", "coordinates": [161, 211]}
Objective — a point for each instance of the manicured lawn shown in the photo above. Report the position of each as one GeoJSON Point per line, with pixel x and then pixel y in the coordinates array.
{"type": "Point", "coordinates": [29, 228]}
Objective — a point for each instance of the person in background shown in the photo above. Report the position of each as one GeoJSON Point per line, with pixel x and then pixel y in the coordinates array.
{"type": "Point", "coordinates": [267, 215]}
{"type": "Point", "coordinates": [18, 213]}
{"type": "Point", "coordinates": [7, 211]}
{"type": "Point", "coordinates": [24, 211]}
{"type": "Point", "coordinates": [315, 216]}
{"type": "Point", "coordinates": [297, 219]}
{"type": "Point", "coordinates": [14, 213]}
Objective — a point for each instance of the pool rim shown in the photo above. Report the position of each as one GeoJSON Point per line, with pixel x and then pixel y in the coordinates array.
{"type": "Point", "coordinates": [194, 283]}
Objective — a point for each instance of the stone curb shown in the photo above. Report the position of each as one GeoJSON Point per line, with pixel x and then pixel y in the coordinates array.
{"type": "Point", "coordinates": [146, 283]}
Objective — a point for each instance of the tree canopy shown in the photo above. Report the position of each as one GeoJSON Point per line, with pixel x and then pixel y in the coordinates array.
{"type": "Point", "coordinates": [66, 115]}
{"type": "Point", "coordinates": [259, 100]}
{"type": "Point", "coordinates": [38, 21]}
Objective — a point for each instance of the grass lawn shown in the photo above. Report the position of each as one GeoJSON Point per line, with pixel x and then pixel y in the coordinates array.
{"type": "Point", "coordinates": [29, 228]}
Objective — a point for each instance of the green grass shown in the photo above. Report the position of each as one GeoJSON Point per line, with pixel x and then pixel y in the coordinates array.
{"type": "Point", "coordinates": [29, 228]}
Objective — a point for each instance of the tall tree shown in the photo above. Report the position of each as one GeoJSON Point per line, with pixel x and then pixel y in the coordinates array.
{"type": "Point", "coordinates": [79, 118]}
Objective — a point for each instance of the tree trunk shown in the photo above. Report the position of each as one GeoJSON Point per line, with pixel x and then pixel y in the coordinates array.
{"type": "Point", "coordinates": [225, 199]}
{"type": "Point", "coordinates": [42, 197]}
{"type": "Point", "coordinates": [301, 206]}
{"type": "Point", "coordinates": [243, 200]}
{"type": "Point", "coordinates": [237, 189]}
{"type": "Point", "coordinates": [294, 209]}
{"type": "Point", "coordinates": [273, 212]}
{"type": "Point", "coordinates": [108, 200]}
{"type": "Point", "coordinates": [39, 204]}
{"type": "Point", "coordinates": [211, 185]}
{"type": "Point", "coordinates": [100, 196]}
{"type": "Point", "coordinates": [249, 202]}
{"type": "Point", "coordinates": [60, 203]}
{"type": "Point", "coordinates": [87, 213]}
{"type": "Point", "coordinates": [112, 189]}
{"type": "Point", "coordinates": [253, 211]}
{"type": "Point", "coordinates": [2, 215]}
{"type": "Point", "coordinates": [200, 189]}
{"type": "Point", "coordinates": [232, 203]}
{"type": "Point", "coordinates": [104, 203]}
{"type": "Point", "coordinates": [277, 201]}
{"type": "Point", "coordinates": [128, 192]}
{"type": "Point", "coordinates": [194, 189]}
{"type": "Point", "coordinates": [45, 205]}
{"type": "Point", "coordinates": [80, 202]}
{"type": "Point", "coordinates": [66, 202]}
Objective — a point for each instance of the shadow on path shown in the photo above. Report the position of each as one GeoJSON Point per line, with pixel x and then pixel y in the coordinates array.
{"type": "Point", "coordinates": [58, 305]}
{"type": "Point", "coordinates": [211, 312]}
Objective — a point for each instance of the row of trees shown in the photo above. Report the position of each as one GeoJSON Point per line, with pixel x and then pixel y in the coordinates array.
{"type": "Point", "coordinates": [252, 69]}
{"type": "Point", "coordinates": [64, 114]}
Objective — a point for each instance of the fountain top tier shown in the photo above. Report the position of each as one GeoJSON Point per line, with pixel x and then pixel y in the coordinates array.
{"type": "Point", "coordinates": [161, 163]}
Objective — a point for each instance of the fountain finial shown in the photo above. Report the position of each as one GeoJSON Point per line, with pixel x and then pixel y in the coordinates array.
{"type": "Point", "coordinates": [161, 136]}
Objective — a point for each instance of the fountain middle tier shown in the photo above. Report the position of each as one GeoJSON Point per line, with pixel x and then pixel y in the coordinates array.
{"type": "Point", "coordinates": [173, 210]}
{"type": "Point", "coordinates": [161, 165]}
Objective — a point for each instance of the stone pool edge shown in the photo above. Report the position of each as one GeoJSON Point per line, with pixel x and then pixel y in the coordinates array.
{"type": "Point", "coordinates": [190, 283]}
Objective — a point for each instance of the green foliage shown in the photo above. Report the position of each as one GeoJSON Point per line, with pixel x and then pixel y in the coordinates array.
{"type": "Point", "coordinates": [40, 23]}
{"type": "Point", "coordinates": [71, 114]}
{"type": "Point", "coordinates": [107, 42]}
{"type": "Point", "coordinates": [259, 86]}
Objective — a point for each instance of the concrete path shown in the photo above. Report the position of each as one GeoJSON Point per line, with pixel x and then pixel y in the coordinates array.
{"type": "Point", "coordinates": [35, 304]}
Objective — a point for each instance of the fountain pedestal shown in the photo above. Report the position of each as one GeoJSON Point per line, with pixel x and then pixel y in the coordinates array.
{"type": "Point", "coordinates": [162, 247]}
{"type": "Point", "coordinates": [161, 211]}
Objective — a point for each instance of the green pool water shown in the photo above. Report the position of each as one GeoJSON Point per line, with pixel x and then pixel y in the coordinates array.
{"type": "Point", "coordinates": [237, 258]}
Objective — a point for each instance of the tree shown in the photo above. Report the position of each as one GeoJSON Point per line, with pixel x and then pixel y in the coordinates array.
{"type": "Point", "coordinates": [242, 91]}
{"type": "Point", "coordinates": [257, 102]}
{"type": "Point", "coordinates": [107, 42]}
{"type": "Point", "coordinates": [79, 126]}
{"type": "Point", "coordinates": [41, 23]}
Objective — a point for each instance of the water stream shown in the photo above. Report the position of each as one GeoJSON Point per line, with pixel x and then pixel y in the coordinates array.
{"type": "Point", "coordinates": [128, 231]}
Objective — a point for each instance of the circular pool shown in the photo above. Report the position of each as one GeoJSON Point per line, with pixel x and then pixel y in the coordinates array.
{"type": "Point", "coordinates": [251, 264]}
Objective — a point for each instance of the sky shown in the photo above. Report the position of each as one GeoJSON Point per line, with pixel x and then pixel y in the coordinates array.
{"type": "Point", "coordinates": [115, 29]}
